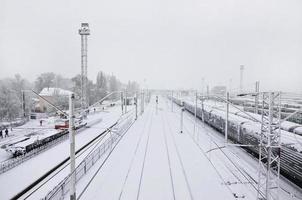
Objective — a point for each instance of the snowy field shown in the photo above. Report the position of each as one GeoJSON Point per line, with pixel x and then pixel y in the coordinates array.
{"type": "Point", "coordinates": [155, 161]}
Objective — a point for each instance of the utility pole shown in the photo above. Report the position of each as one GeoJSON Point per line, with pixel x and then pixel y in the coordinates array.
{"type": "Point", "coordinates": [230, 85]}
{"type": "Point", "coordinates": [226, 118]}
{"type": "Point", "coordinates": [142, 102]}
{"type": "Point", "coordinates": [181, 116]}
{"type": "Point", "coordinates": [202, 86]}
{"type": "Point", "coordinates": [135, 101]}
{"type": "Point", "coordinates": [172, 100]}
{"type": "Point", "coordinates": [208, 91]}
{"type": "Point", "coordinates": [23, 104]}
{"type": "Point", "coordinates": [241, 78]}
{"type": "Point", "coordinates": [122, 102]}
{"type": "Point", "coordinates": [156, 105]}
{"type": "Point", "coordinates": [126, 101]}
{"type": "Point", "coordinates": [257, 97]}
{"type": "Point", "coordinates": [84, 31]}
{"type": "Point", "coordinates": [202, 109]}
{"type": "Point", "coordinates": [269, 147]}
{"type": "Point", "coordinates": [72, 148]}
{"type": "Point", "coordinates": [195, 112]}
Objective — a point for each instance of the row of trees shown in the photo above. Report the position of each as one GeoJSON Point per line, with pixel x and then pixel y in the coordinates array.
{"type": "Point", "coordinates": [11, 90]}
{"type": "Point", "coordinates": [11, 96]}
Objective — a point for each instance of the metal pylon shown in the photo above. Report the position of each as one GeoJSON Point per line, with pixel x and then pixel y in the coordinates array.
{"type": "Point", "coordinates": [269, 147]}
{"type": "Point", "coordinates": [84, 31]}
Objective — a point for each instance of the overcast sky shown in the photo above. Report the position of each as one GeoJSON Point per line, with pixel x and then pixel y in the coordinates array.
{"type": "Point", "coordinates": [170, 43]}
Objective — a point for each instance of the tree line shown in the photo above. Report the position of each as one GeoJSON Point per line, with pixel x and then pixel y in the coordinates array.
{"type": "Point", "coordinates": [11, 91]}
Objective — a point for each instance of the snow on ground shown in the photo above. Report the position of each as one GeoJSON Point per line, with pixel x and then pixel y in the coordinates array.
{"type": "Point", "coordinates": [16, 179]}
{"type": "Point", "coordinates": [239, 164]}
{"type": "Point", "coordinates": [30, 128]}
{"type": "Point", "coordinates": [154, 161]}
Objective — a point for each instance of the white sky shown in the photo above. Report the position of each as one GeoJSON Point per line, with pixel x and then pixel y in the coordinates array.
{"type": "Point", "coordinates": [170, 43]}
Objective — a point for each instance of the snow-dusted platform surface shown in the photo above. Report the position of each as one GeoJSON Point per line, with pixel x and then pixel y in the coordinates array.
{"type": "Point", "coordinates": [155, 161]}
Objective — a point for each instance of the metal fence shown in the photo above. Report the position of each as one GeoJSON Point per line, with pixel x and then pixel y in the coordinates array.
{"type": "Point", "coordinates": [13, 162]}
{"type": "Point", "coordinates": [101, 152]}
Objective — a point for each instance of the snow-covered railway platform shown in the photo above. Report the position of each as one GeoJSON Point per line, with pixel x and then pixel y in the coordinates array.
{"type": "Point", "coordinates": [155, 161]}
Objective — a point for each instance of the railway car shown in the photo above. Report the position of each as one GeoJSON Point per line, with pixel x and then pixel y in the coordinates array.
{"type": "Point", "coordinates": [244, 131]}
{"type": "Point", "coordinates": [29, 143]}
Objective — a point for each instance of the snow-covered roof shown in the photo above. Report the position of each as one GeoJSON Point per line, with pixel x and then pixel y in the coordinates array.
{"type": "Point", "coordinates": [54, 91]}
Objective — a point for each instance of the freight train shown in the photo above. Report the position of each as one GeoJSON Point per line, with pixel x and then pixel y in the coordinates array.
{"type": "Point", "coordinates": [40, 138]}
{"type": "Point", "coordinates": [244, 131]}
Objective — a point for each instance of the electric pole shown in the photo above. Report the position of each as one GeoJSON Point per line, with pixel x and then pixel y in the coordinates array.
{"type": "Point", "coordinates": [195, 112]}
{"type": "Point", "coordinates": [172, 100]}
{"type": "Point", "coordinates": [226, 118]}
{"type": "Point", "coordinates": [241, 78]}
{"type": "Point", "coordinates": [156, 104]}
{"type": "Point", "coordinates": [269, 147]}
{"type": "Point", "coordinates": [135, 101]}
{"type": "Point", "coordinates": [23, 104]}
{"type": "Point", "coordinates": [126, 101]}
{"type": "Point", "coordinates": [257, 97]}
{"type": "Point", "coordinates": [142, 102]}
{"type": "Point", "coordinates": [72, 148]}
{"type": "Point", "coordinates": [181, 116]}
{"type": "Point", "coordinates": [122, 102]}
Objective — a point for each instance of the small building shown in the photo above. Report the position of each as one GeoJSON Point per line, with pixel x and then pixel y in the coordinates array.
{"type": "Point", "coordinates": [56, 96]}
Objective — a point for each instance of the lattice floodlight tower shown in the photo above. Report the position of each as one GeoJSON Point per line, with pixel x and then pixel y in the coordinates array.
{"type": "Point", "coordinates": [84, 31]}
{"type": "Point", "coordinates": [269, 147]}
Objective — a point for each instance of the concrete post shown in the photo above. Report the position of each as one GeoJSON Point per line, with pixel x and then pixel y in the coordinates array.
{"type": "Point", "coordinates": [156, 104]}
{"type": "Point", "coordinates": [72, 147]}
{"type": "Point", "coordinates": [195, 112]}
{"type": "Point", "coordinates": [181, 117]}
{"type": "Point", "coordinates": [122, 102]}
{"type": "Point", "coordinates": [172, 101]}
{"type": "Point", "coordinates": [227, 119]}
{"type": "Point", "coordinates": [126, 101]}
{"type": "Point", "coordinates": [135, 101]}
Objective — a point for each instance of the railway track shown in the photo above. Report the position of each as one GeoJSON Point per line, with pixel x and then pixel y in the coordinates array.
{"type": "Point", "coordinates": [295, 193]}
{"type": "Point", "coordinates": [26, 192]}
